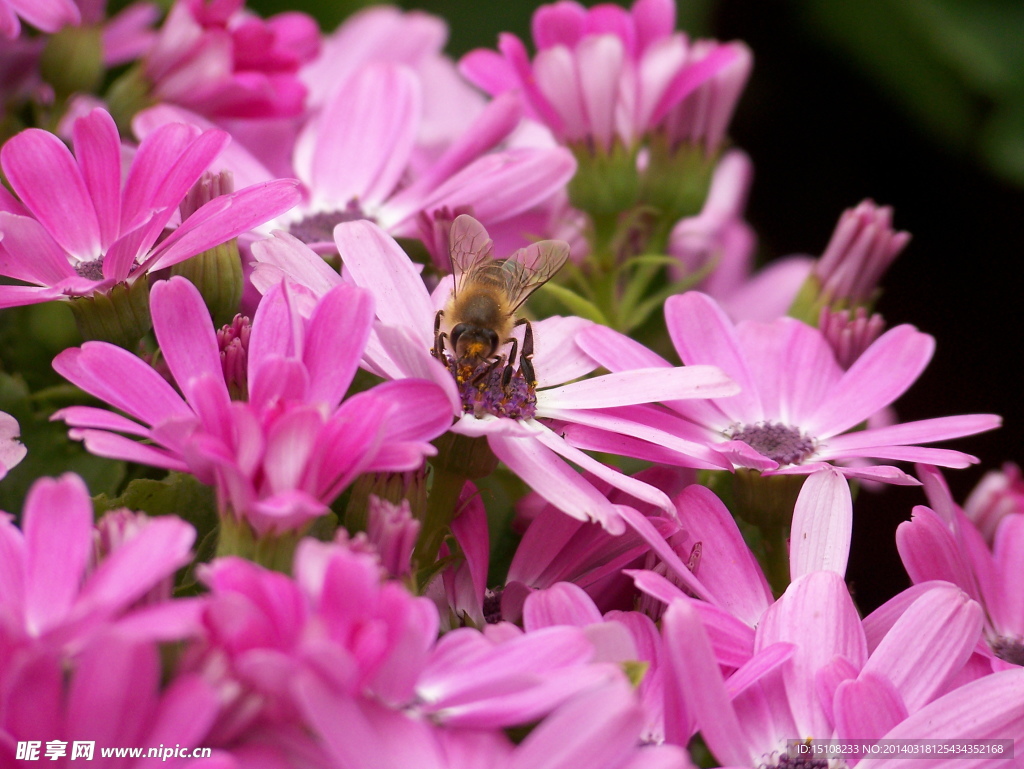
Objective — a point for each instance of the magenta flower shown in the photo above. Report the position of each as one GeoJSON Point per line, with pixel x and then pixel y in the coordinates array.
{"type": "Point", "coordinates": [605, 75]}
{"type": "Point", "coordinates": [11, 449]}
{"type": "Point", "coordinates": [219, 60]}
{"type": "Point", "coordinates": [812, 676]}
{"type": "Point", "coordinates": [941, 543]}
{"type": "Point", "coordinates": [797, 408]}
{"type": "Point", "coordinates": [80, 228]}
{"type": "Point", "coordinates": [526, 443]}
{"type": "Point", "coordinates": [113, 695]}
{"type": "Point", "coordinates": [54, 595]}
{"type": "Point", "coordinates": [999, 493]}
{"type": "Point", "coordinates": [47, 16]}
{"type": "Point", "coordinates": [355, 159]}
{"type": "Point", "coordinates": [734, 594]}
{"type": "Point", "coordinates": [278, 459]}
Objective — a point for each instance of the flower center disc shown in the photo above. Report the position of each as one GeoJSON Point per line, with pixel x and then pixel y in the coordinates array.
{"type": "Point", "coordinates": [782, 443]}
{"type": "Point", "coordinates": [319, 227]}
{"type": "Point", "coordinates": [483, 392]}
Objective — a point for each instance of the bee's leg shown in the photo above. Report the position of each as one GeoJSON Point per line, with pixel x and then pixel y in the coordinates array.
{"type": "Point", "coordinates": [439, 337]}
{"type": "Point", "coordinates": [484, 373]}
{"type": "Point", "coordinates": [506, 375]}
{"type": "Point", "coordinates": [526, 359]}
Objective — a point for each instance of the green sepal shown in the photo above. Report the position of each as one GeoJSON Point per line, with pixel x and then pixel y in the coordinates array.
{"type": "Point", "coordinates": [119, 316]}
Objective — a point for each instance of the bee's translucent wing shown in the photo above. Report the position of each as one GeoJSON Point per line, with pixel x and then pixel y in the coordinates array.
{"type": "Point", "coordinates": [468, 247]}
{"type": "Point", "coordinates": [530, 268]}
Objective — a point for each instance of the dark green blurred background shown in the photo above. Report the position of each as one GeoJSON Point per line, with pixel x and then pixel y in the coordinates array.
{"type": "Point", "coordinates": [918, 104]}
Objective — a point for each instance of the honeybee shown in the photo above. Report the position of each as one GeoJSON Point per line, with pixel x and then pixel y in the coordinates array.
{"type": "Point", "coordinates": [485, 298]}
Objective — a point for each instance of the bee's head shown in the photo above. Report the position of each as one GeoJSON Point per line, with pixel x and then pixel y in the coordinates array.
{"type": "Point", "coordinates": [473, 342]}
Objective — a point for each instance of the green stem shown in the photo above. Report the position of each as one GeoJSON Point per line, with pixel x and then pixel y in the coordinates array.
{"type": "Point", "coordinates": [774, 558]}
{"type": "Point", "coordinates": [441, 506]}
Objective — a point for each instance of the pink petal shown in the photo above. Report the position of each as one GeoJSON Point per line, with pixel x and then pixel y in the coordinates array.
{"type": "Point", "coordinates": [557, 358]}
{"type": "Point", "coordinates": [122, 380]}
{"type": "Point", "coordinates": [599, 62]}
{"type": "Point", "coordinates": [43, 173]}
{"type": "Point", "coordinates": [822, 525]}
{"type": "Point", "coordinates": [365, 135]}
{"type": "Point", "coordinates": [937, 633]}
{"type": "Point", "coordinates": [692, 77]}
{"type": "Point", "coordinates": [89, 416]}
{"type": "Point", "coordinates": [290, 257]}
{"type": "Point", "coordinates": [774, 351]}
{"type": "Point", "coordinates": [407, 359]}
{"type": "Point", "coordinates": [632, 486]}
{"type": "Point", "coordinates": [224, 218]}
{"type": "Point", "coordinates": [639, 386]}
{"type": "Point", "coordinates": [157, 153]}
{"type": "Point", "coordinates": [98, 148]}
{"type": "Point", "coordinates": [929, 551]}
{"type": "Point", "coordinates": [497, 120]}
{"type": "Point", "coordinates": [375, 262]}
{"type": "Point", "coordinates": [58, 543]}
{"type": "Point", "coordinates": [727, 568]}
{"type": "Point", "coordinates": [291, 442]}
{"type": "Point", "coordinates": [186, 336]}
{"type": "Point", "coordinates": [29, 253]}
{"type": "Point", "coordinates": [878, 377]}
{"type": "Point", "coordinates": [1008, 553]}
{"type": "Point", "coordinates": [694, 690]}
{"type": "Point", "coordinates": [703, 334]}
{"type": "Point", "coordinates": [817, 614]}
{"type": "Point", "coordinates": [867, 707]}
{"type": "Point", "coordinates": [553, 479]}
{"type": "Point", "coordinates": [636, 427]}
{"type": "Point", "coordinates": [113, 692]}
{"type": "Point", "coordinates": [616, 351]}
{"type": "Point", "coordinates": [555, 77]}
{"type": "Point", "coordinates": [337, 335]}
{"type": "Point", "coordinates": [989, 708]}
{"type": "Point", "coordinates": [596, 729]}
{"type": "Point", "coordinates": [909, 433]}
{"type": "Point", "coordinates": [499, 185]}
{"type": "Point", "coordinates": [104, 444]}
{"type": "Point", "coordinates": [560, 604]}
{"type": "Point", "coordinates": [558, 24]}
{"type": "Point", "coordinates": [47, 15]}
{"type": "Point", "coordinates": [129, 572]}
{"type": "Point", "coordinates": [186, 712]}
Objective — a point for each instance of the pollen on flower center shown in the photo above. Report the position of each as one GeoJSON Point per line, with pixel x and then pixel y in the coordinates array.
{"type": "Point", "coordinates": [783, 443]}
{"type": "Point", "coordinates": [91, 270]}
{"type": "Point", "coordinates": [319, 227]}
{"type": "Point", "coordinates": [483, 392]}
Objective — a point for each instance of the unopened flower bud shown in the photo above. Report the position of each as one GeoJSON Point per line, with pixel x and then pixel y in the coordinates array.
{"type": "Point", "coordinates": [216, 272]}
{"type": "Point", "coordinates": [393, 530]}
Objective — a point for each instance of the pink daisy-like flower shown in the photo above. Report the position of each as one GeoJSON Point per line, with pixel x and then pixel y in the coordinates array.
{"type": "Point", "coordinates": [604, 75]}
{"type": "Point", "coordinates": [524, 441]}
{"type": "Point", "coordinates": [77, 227]}
{"type": "Point", "coordinates": [797, 408]}
{"type": "Point", "coordinates": [812, 676]}
{"type": "Point", "coordinates": [941, 543]}
{"type": "Point", "coordinates": [219, 60]}
{"type": "Point", "coordinates": [355, 161]}
{"type": "Point", "coordinates": [279, 458]}
{"type": "Point", "coordinates": [54, 594]}
{"type": "Point", "coordinates": [112, 696]}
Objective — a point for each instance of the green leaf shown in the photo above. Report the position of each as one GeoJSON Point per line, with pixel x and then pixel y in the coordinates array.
{"type": "Point", "coordinates": [575, 303]}
{"type": "Point", "coordinates": [178, 494]}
